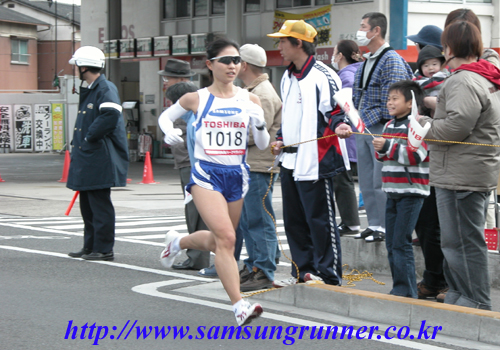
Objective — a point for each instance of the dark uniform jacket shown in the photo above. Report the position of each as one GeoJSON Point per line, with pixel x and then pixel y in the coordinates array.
{"type": "Point", "coordinates": [99, 157]}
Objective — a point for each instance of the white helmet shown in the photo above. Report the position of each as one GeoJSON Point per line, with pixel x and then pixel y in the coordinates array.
{"type": "Point", "coordinates": [88, 56]}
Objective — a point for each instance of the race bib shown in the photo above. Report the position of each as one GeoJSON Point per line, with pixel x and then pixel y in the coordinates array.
{"type": "Point", "coordinates": [224, 133]}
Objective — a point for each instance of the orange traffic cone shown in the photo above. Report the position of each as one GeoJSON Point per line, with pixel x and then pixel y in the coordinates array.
{"type": "Point", "coordinates": [1, 180]}
{"type": "Point", "coordinates": [147, 175]}
{"type": "Point", "coordinates": [65, 172]}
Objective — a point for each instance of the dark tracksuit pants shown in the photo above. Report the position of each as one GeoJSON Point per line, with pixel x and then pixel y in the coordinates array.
{"type": "Point", "coordinates": [311, 231]}
{"type": "Point", "coordinates": [98, 216]}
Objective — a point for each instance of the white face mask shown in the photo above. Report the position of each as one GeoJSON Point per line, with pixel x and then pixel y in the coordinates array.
{"type": "Point", "coordinates": [361, 38]}
{"type": "Point", "coordinates": [335, 65]}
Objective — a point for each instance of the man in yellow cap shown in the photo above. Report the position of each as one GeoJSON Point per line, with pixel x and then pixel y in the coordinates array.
{"type": "Point", "coordinates": [307, 170]}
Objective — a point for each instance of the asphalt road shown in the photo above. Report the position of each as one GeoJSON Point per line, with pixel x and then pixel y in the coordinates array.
{"type": "Point", "coordinates": [47, 298]}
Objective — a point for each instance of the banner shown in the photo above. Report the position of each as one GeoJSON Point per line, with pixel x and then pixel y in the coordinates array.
{"type": "Point", "coordinates": [320, 19]}
{"type": "Point", "coordinates": [23, 128]}
{"type": "Point", "coordinates": [5, 128]}
{"type": "Point", "coordinates": [344, 98]}
{"type": "Point", "coordinates": [57, 126]}
{"type": "Point", "coordinates": [43, 128]}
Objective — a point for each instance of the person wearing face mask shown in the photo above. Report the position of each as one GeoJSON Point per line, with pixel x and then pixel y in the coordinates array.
{"type": "Point", "coordinates": [382, 68]}
{"type": "Point", "coordinates": [346, 60]}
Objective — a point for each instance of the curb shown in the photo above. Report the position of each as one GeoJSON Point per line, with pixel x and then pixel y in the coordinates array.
{"type": "Point", "coordinates": [456, 321]}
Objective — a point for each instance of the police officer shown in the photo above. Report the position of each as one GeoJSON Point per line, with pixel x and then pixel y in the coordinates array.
{"type": "Point", "coordinates": [99, 157]}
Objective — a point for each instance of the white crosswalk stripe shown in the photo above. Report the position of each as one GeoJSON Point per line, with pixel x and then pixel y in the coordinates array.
{"type": "Point", "coordinates": [138, 229]}
{"type": "Point", "coordinates": [148, 230]}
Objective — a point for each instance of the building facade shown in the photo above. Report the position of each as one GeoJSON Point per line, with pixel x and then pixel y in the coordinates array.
{"type": "Point", "coordinates": [56, 36]}
{"type": "Point", "coordinates": [161, 29]}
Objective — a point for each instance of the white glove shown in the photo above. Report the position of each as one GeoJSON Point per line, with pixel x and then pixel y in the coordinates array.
{"type": "Point", "coordinates": [173, 137]}
{"type": "Point", "coordinates": [256, 114]}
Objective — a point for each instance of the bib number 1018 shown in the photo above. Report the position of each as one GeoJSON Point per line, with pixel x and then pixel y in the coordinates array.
{"type": "Point", "coordinates": [224, 139]}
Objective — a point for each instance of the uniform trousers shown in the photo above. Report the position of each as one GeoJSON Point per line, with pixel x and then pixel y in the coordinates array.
{"type": "Point", "coordinates": [98, 216]}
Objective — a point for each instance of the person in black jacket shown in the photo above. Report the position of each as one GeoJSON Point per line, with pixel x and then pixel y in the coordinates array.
{"type": "Point", "coordinates": [99, 156]}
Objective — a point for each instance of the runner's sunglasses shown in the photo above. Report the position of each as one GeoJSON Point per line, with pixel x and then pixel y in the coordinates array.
{"type": "Point", "coordinates": [227, 59]}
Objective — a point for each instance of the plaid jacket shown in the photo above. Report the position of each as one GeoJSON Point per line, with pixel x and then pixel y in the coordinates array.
{"type": "Point", "coordinates": [390, 69]}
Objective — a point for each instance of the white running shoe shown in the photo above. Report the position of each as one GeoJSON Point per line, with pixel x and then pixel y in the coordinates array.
{"type": "Point", "coordinates": [309, 278]}
{"type": "Point", "coordinates": [247, 313]}
{"type": "Point", "coordinates": [169, 253]}
{"type": "Point", "coordinates": [285, 283]}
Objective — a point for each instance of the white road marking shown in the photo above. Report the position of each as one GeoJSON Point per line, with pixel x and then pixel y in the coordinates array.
{"type": "Point", "coordinates": [114, 264]}
{"type": "Point", "coordinates": [32, 237]}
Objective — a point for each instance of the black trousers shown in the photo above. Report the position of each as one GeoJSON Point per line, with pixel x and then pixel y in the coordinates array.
{"type": "Point", "coordinates": [429, 234]}
{"type": "Point", "coordinates": [345, 195]}
{"type": "Point", "coordinates": [98, 216]}
{"type": "Point", "coordinates": [311, 231]}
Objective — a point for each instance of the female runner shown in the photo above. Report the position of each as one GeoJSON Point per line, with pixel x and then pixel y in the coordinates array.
{"type": "Point", "coordinates": [220, 177]}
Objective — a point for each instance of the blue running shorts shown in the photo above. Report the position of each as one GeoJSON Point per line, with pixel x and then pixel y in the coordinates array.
{"type": "Point", "coordinates": [231, 181]}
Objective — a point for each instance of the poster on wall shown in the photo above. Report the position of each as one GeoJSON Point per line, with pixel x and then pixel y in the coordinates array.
{"type": "Point", "coordinates": [58, 141]}
{"type": "Point", "coordinates": [5, 128]}
{"type": "Point", "coordinates": [43, 128]}
{"type": "Point", "coordinates": [23, 128]}
{"type": "Point", "coordinates": [320, 19]}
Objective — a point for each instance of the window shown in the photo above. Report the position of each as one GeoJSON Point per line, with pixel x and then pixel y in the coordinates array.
{"type": "Point", "coordinates": [177, 8]}
{"type": "Point", "coordinates": [19, 51]}
{"type": "Point", "coordinates": [349, 1]}
{"type": "Point", "coordinates": [293, 3]}
{"type": "Point", "coordinates": [218, 7]}
{"type": "Point", "coordinates": [459, 1]}
{"type": "Point", "coordinates": [200, 8]}
{"type": "Point", "coordinates": [252, 5]}
{"type": "Point", "coordinates": [196, 8]}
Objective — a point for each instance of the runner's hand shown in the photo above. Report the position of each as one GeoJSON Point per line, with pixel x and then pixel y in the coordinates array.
{"type": "Point", "coordinates": [173, 137]}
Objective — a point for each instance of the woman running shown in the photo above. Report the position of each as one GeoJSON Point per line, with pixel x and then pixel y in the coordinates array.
{"type": "Point", "coordinates": [220, 177]}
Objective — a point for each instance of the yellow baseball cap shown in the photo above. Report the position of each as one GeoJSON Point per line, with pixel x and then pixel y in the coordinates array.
{"type": "Point", "coordinates": [296, 29]}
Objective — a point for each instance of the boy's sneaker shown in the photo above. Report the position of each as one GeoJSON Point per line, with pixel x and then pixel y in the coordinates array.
{"type": "Point", "coordinates": [169, 253]}
{"type": "Point", "coordinates": [309, 278]}
{"type": "Point", "coordinates": [285, 283]}
{"type": "Point", "coordinates": [247, 313]}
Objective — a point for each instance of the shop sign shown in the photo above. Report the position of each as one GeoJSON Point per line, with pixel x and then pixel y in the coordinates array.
{"type": "Point", "coordinates": [111, 48]}
{"type": "Point", "coordinates": [198, 43]}
{"type": "Point", "coordinates": [320, 19]}
{"type": "Point", "coordinates": [162, 46]}
{"type": "Point", "coordinates": [127, 48]}
{"type": "Point", "coordinates": [23, 127]}
{"type": "Point", "coordinates": [180, 45]}
{"type": "Point", "coordinates": [43, 128]}
{"type": "Point", "coordinates": [5, 128]}
{"type": "Point", "coordinates": [57, 126]}
{"type": "Point", "coordinates": [144, 47]}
